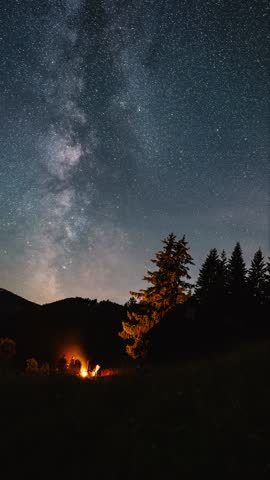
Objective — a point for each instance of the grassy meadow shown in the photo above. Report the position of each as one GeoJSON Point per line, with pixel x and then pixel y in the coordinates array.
{"type": "Point", "coordinates": [203, 417]}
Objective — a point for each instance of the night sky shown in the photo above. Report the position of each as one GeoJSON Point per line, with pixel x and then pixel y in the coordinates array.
{"type": "Point", "coordinates": [122, 121]}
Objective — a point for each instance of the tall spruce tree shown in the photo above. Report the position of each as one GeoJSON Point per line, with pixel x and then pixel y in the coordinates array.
{"type": "Point", "coordinates": [222, 277]}
{"type": "Point", "coordinates": [169, 287]}
{"type": "Point", "coordinates": [237, 276]}
{"type": "Point", "coordinates": [267, 284]}
{"type": "Point", "coordinates": [257, 277]}
{"type": "Point", "coordinates": [206, 286]}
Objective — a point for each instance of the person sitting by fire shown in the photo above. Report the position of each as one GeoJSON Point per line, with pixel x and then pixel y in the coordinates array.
{"type": "Point", "coordinates": [71, 366]}
{"type": "Point", "coordinates": [77, 366]}
{"type": "Point", "coordinates": [62, 364]}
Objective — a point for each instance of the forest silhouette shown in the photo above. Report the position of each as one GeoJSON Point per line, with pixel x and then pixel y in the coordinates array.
{"type": "Point", "coordinates": [169, 320]}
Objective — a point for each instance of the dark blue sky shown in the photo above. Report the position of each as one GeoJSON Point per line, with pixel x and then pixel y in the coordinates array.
{"type": "Point", "coordinates": [122, 121]}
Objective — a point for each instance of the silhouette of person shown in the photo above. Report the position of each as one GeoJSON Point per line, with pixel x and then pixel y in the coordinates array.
{"type": "Point", "coordinates": [62, 364]}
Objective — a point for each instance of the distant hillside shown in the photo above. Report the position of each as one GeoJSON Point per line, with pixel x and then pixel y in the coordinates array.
{"type": "Point", "coordinates": [11, 303]}
{"type": "Point", "coordinates": [43, 331]}
{"type": "Point", "coordinates": [95, 325]}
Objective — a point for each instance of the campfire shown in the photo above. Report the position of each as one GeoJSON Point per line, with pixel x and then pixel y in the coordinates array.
{"type": "Point", "coordinates": [84, 372]}
{"type": "Point", "coordinates": [74, 362]}
{"type": "Point", "coordinates": [80, 367]}
{"type": "Point", "coordinates": [95, 370]}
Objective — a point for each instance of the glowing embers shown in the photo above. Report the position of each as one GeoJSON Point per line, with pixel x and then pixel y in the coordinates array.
{"type": "Point", "coordinates": [83, 373]}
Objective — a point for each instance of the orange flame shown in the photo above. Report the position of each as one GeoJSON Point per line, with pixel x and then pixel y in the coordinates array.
{"type": "Point", "coordinates": [95, 370]}
{"type": "Point", "coordinates": [83, 373]}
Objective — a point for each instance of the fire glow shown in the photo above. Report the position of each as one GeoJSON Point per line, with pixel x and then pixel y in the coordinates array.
{"type": "Point", "coordinates": [95, 371]}
{"type": "Point", "coordinates": [84, 373]}
{"type": "Point", "coordinates": [76, 361]}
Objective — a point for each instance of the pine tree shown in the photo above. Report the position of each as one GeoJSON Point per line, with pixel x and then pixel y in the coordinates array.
{"type": "Point", "coordinates": [237, 275]}
{"type": "Point", "coordinates": [268, 280]}
{"type": "Point", "coordinates": [224, 268]}
{"type": "Point", "coordinates": [267, 283]}
{"type": "Point", "coordinates": [168, 288]}
{"type": "Point", "coordinates": [257, 277]}
{"type": "Point", "coordinates": [208, 278]}
{"type": "Point", "coordinates": [222, 278]}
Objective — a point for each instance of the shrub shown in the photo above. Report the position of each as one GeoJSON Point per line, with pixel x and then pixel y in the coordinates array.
{"type": "Point", "coordinates": [45, 369]}
{"type": "Point", "coordinates": [32, 366]}
{"type": "Point", "coordinates": [7, 352]}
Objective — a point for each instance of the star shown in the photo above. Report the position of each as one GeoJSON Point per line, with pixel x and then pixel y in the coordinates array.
{"type": "Point", "coordinates": [122, 122]}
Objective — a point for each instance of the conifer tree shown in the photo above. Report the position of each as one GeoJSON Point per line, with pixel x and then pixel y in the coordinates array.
{"type": "Point", "coordinates": [222, 277]}
{"type": "Point", "coordinates": [237, 275]}
{"type": "Point", "coordinates": [168, 288]}
{"type": "Point", "coordinates": [267, 283]}
{"type": "Point", "coordinates": [257, 277]}
{"type": "Point", "coordinates": [224, 267]}
{"type": "Point", "coordinates": [208, 278]}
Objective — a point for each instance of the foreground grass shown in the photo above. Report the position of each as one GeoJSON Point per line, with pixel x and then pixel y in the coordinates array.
{"type": "Point", "coordinates": [209, 417]}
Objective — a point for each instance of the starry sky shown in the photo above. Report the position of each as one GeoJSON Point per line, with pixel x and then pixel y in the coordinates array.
{"type": "Point", "coordinates": [121, 121]}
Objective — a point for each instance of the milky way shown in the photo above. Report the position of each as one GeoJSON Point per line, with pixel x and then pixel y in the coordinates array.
{"type": "Point", "coordinates": [124, 121]}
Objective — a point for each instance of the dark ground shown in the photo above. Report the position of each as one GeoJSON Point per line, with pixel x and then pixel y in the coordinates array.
{"type": "Point", "coordinates": [206, 417]}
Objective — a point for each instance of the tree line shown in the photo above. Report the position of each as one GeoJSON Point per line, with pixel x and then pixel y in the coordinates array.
{"type": "Point", "coordinates": [227, 294]}
{"type": "Point", "coordinates": [169, 316]}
